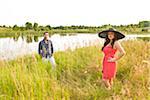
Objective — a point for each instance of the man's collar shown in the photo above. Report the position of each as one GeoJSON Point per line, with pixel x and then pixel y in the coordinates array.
{"type": "Point", "coordinates": [44, 40]}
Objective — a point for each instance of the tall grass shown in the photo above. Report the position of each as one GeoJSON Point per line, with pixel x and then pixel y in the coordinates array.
{"type": "Point", "coordinates": [77, 76]}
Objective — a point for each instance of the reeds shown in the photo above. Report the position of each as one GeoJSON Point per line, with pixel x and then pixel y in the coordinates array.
{"type": "Point", "coordinates": [77, 76]}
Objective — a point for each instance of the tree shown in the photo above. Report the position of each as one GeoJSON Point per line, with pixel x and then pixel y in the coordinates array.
{"type": "Point", "coordinates": [28, 25]}
{"type": "Point", "coordinates": [144, 24]}
{"type": "Point", "coordinates": [49, 27]}
{"type": "Point", "coordinates": [61, 27]}
{"type": "Point", "coordinates": [15, 27]}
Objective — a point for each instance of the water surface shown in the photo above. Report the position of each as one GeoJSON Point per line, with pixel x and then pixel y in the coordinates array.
{"type": "Point", "coordinates": [13, 47]}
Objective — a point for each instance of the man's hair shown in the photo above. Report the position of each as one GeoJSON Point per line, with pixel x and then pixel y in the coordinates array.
{"type": "Point", "coordinates": [45, 33]}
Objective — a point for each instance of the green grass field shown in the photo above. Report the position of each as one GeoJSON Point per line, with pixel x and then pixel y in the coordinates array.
{"type": "Point", "coordinates": [77, 76]}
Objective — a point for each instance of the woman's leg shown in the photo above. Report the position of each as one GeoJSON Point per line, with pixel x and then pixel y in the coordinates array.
{"type": "Point", "coordinates": [107, 84]}
{"type": "Point", "coordinates": [111, 82]}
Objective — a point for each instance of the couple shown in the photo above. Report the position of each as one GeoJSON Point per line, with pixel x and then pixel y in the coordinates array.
{"type": "Point", "coordinates": [110, 47]}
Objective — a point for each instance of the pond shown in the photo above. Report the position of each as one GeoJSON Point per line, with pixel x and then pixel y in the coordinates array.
{"type": "Point", "coordinates": [13, 47]}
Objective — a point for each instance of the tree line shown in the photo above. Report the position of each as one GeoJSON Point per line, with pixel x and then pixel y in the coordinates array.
{"type": "Point", "coordinates": [36, 27]}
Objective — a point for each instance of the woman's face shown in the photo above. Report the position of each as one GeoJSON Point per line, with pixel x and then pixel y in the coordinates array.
{"type": "Point", "coordinates": [111, 35]}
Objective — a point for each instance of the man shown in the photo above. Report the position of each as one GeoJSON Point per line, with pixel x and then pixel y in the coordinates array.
{"type": "Point", "coordinates": [46, 49]}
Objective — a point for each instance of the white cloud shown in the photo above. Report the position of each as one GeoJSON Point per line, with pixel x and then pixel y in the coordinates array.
{"type": "Point", "coordinates": [73, 12]}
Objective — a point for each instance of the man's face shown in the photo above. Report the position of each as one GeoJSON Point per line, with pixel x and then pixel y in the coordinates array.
{"type": "Point", "coordinates": [46, 36]}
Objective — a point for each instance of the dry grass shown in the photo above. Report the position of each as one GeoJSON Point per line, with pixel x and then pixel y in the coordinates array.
{"type": "Point", "coordinates": [78, 76]}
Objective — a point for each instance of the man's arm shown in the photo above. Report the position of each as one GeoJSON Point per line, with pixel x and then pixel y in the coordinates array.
{"type": "Point", "coordinates": [52, 49]}
{"type": "Point", "coordinates": [39, 49]}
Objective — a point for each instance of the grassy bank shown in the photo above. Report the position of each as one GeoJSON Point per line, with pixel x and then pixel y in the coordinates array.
{"type": "Point", "coordinates": [78, 75]}
{"type": "Point", "coordinates": [8, 32]}
{"type": "Point", "coordinates": [39, 33]}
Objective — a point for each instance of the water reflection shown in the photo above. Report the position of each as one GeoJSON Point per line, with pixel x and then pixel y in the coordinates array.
{"type": "Point", "coordinates": [35, 38]}
{"type": "Point", "coordinates": [22, 45]}
{"type": "Point", "coordinates": [63, 34]}
{"type": "Point", "coordinates": [16, 38]}
{"type": "Point", "coordinates": [28, 38]}
{"type": "Point", "coordinates": [31, 38]}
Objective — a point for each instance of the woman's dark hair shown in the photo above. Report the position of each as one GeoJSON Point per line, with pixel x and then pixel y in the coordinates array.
{"type": "Point", "coordinates": [107, 40]}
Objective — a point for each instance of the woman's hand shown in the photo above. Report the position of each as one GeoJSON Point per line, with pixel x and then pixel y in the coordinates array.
{"type": "Point", "coordinates": [111, 59]}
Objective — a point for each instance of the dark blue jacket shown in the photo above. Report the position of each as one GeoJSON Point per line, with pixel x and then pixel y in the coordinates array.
{"type": "Point", "coordinates": [45, 49]}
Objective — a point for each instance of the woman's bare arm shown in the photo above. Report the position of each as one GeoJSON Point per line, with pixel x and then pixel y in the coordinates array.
{"type": "Point", "coordinates": [120, 49]}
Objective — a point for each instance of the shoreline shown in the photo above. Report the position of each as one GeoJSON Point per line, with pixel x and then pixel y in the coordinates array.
{"type": "Point", "coordinates": [12, 33]}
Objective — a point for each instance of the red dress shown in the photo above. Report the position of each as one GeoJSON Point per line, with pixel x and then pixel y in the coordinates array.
{"type": "Point", "coordinates": [109, 68]}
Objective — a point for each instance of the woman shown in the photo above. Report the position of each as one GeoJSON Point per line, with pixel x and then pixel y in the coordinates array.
{"type": "Point", "coordinates": [111, 46]}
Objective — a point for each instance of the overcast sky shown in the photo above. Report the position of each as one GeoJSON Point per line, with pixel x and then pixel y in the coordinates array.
{"type": "Point", "coordinates": [74, 12]}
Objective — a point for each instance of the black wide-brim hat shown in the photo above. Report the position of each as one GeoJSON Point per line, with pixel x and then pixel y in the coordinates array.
{"type": "Point", "coordinates": [104, 33]}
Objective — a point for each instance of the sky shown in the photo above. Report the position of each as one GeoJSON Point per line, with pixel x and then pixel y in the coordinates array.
{"type": "Point", "coordinates": [74, 12]}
